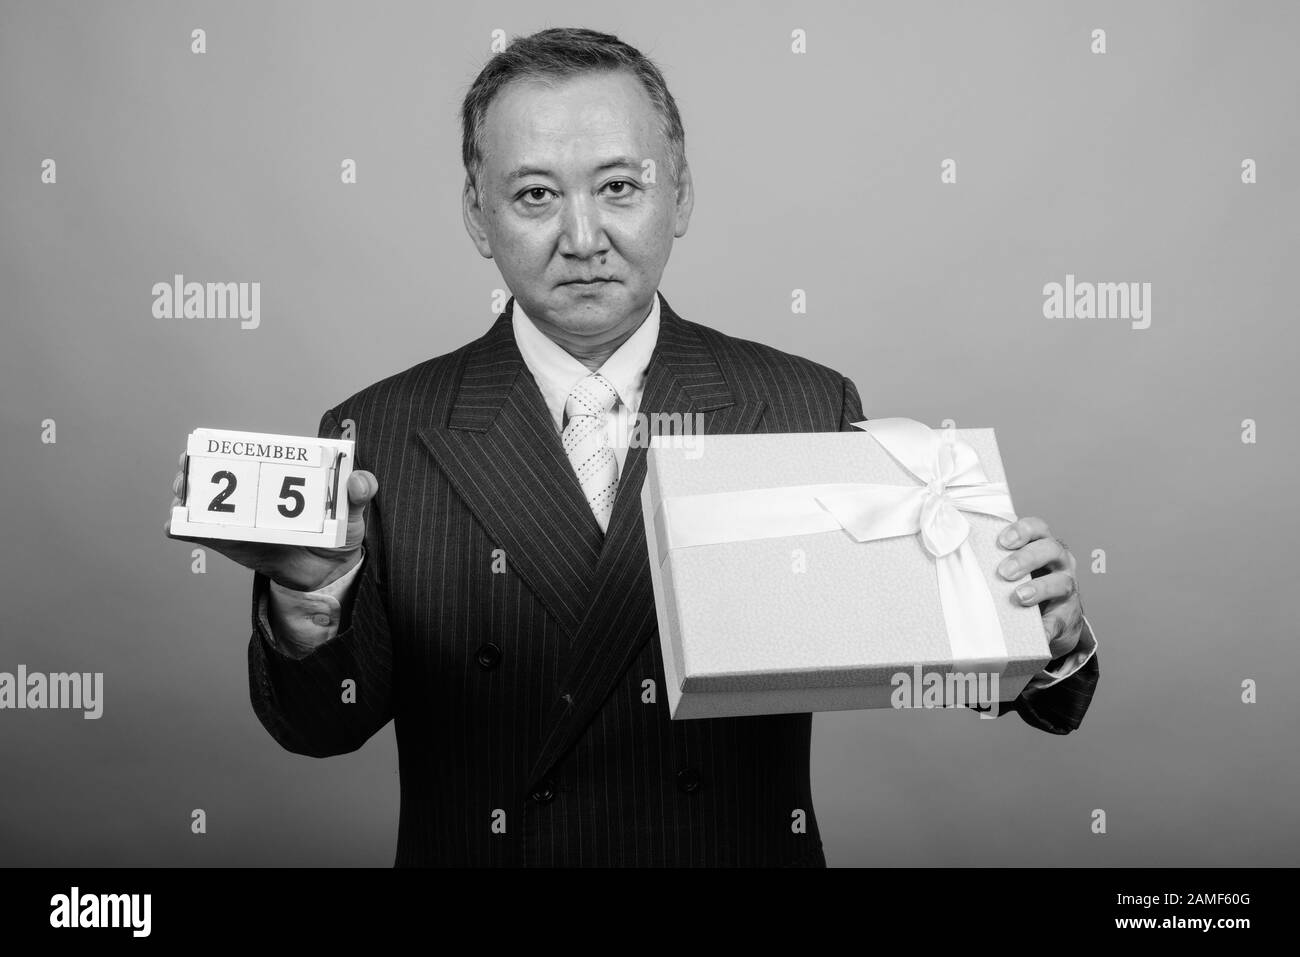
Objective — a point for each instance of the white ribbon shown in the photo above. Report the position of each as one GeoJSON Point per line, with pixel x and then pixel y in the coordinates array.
{"type": "Point", "coordinates": [952, 482]}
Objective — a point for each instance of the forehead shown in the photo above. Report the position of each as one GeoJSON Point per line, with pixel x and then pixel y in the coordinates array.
{"type": "Point", "coordinates": [571, 121]}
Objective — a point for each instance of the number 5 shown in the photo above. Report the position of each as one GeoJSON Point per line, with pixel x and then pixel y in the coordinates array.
{"type": "Point", "coordinates": [288, 491]}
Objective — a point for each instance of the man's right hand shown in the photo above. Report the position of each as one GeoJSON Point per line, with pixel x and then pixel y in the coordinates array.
{"type": "Point", "coordinates": [295, 566]}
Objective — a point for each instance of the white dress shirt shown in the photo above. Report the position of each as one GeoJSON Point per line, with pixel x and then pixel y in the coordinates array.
{"type": "Point", "coordinates": [305, 620]}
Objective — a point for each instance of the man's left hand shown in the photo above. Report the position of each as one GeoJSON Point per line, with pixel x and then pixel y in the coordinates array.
{"type": "Point", "coordinates": [1053, 588]}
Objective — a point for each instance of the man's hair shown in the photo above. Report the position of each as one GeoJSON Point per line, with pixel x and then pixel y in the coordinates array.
{"type": "Point", "coordinates": [561, 53]}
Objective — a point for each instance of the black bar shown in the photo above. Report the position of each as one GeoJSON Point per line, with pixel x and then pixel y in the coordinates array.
{"type": "Point", "coordinates": [924, 908]}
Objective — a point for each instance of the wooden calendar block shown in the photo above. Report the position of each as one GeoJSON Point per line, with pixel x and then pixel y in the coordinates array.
{"type": "Point", "coordinates": [263, 487]}
{"type": "Point", "coordinates": [290, 496]}
{"type": "Point", "coordinates": [222, 491]}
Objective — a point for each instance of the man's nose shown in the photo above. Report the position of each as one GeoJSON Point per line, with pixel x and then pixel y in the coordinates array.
{"type": "Point", "coordinates": [582, 233]}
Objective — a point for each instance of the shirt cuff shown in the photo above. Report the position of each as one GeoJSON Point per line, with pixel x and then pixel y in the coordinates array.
{"type": "Point", "coordinates": [302, 621]}
{"type": "Point", "coordinates": [1067, 666]}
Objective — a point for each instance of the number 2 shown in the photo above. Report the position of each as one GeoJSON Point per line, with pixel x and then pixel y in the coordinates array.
{"type": "Point", "coordinates": [219, 504]}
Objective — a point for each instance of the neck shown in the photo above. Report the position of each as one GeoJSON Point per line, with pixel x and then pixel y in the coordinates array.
{"type": "Point", "coordinates": [593, 350]}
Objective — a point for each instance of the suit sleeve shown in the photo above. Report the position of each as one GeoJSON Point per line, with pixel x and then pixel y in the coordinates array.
{"type": "Point", "coordinates": [1058, 709]}
{"type": "Point", "coordinates": [307, 703]}
{"type": "Point", "coordinates": [850, 406]}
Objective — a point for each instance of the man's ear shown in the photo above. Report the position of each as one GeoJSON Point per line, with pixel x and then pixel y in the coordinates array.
{"type": "Point", "coordinates": [685, 201]}
{"type": "Point", "coordinates": [475, 219]}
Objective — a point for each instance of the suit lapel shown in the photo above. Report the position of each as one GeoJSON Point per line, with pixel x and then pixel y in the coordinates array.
{"type": "Point", "coordinates": [619, 617]}
{"type": "Point", "coordinates": [503, 456]}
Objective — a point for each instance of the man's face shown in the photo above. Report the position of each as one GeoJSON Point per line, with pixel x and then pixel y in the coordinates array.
{"type": "Point", "coordinates": [564, 206]}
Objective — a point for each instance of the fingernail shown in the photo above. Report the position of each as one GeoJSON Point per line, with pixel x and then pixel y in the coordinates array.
{"type": "Point", "coordinates": [1010, 570]}
{"type": "Point", "coordinates": [1025, 592]}
{"type": "Point", "coordinates": [1008, 537]}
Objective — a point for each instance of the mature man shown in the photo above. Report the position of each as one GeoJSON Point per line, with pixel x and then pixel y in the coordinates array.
{"type": "Point", "coordinates": [494, 600]}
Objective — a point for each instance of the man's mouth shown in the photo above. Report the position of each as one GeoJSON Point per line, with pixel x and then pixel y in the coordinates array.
{"type": "Point", "coordinates": [585, 282]}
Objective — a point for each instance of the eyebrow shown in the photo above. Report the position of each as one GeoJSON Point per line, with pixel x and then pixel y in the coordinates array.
{"type": "Point", "coordinates": [520, 172]}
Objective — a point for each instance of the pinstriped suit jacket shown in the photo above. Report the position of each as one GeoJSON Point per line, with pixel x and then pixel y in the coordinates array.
{"type": "Point", "coordinates": [524, 730]}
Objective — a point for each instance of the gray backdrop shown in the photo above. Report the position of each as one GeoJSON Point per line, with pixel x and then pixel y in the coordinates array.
{"type": "Point", "coordinates": [818, 171]}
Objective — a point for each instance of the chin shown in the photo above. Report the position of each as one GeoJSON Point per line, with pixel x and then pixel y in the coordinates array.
{"type": "Point", "coordinates": [592, 308]}
{"type": "Point", "coordinates": [588, 322]}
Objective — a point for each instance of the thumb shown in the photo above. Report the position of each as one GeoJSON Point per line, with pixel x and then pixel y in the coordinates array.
{"type": "Point", "coordinates": [362, 487]}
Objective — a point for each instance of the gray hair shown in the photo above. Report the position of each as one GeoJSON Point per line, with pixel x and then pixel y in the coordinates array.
{"type": "Point", "coordinates": [558, 54]}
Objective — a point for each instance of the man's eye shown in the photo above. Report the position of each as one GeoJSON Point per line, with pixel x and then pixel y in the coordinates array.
{"type": "Point", "coordinates": [536, 195]}
{"type": "Point", "coordinates": [620, 187]}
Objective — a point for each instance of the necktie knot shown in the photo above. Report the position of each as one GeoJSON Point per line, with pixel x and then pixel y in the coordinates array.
{"type": "Point", "coordinates": [593, 396]}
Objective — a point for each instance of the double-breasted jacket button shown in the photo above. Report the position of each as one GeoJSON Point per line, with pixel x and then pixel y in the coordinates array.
{"type": "Point", "coordinates": [545, 792]}
{"type": "Point", "coordinates": [688, 780]}
{"type": "Point", "coordinates": [488, 656]}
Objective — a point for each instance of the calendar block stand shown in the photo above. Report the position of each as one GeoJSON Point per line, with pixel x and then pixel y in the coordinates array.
{"type": "Point", "coordinates": [262, 487]}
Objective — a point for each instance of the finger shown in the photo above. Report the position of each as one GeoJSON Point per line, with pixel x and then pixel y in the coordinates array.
{"type": "Point", "coordinates": [1046, 588]}
{"type": "Point", "coordinates": [177, 484]}
{"type": "Point", "coordinates": [181, 460]}
{"type": "Point", "coordinates": [1022, 531]}
{"type": "Point", "coordinates": [1035, 555]}
{"type": "Point", "coordinates": [1061, 640]}
{"type": "Point", "coordinates": [362, 486]}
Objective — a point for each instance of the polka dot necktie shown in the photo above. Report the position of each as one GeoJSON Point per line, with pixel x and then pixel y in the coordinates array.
{"type": "Point", "coordinates": [587, 446]}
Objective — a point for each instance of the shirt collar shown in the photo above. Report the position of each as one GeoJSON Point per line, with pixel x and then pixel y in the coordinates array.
{"type": "Point", "coordinates": [557, 372]}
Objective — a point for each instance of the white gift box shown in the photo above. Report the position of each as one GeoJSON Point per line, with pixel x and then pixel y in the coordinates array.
{"type": "Point", "coordinates": [819, 588]}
